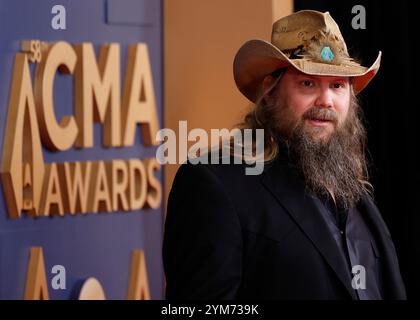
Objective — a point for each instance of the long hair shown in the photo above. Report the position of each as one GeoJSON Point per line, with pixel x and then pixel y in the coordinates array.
{"type": "Point", "coordinates": [263, 116]}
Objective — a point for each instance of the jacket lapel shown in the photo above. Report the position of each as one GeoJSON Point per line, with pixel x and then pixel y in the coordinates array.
{"type": "Point", "coordinates": [393, 283]}
{"type": "Point", "coordinates": [279, 179]}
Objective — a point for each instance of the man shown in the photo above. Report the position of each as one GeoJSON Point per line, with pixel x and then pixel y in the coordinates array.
{"type": "Point", "coordinates": [307, 227]}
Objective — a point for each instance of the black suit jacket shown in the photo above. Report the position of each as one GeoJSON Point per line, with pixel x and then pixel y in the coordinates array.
{"type": "Point", "coordinates": [234, 236]}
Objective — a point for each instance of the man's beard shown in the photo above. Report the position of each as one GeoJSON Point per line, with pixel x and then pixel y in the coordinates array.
{"type": "Point", "coordinates": [332, 166]}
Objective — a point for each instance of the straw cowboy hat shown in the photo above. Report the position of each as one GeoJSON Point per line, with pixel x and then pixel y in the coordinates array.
{"type": "Point", "coordinates": [308, 40]}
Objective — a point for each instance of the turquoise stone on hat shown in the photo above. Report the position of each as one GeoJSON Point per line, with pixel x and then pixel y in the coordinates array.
{"type": "Point", "coordinates": [327, 54]}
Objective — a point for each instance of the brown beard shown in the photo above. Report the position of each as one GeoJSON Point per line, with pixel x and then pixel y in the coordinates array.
{"type": "Point", "coordinates": [332, 167]}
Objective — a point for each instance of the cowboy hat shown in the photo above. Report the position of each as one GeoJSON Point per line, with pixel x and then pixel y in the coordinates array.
{"type": "Point", "coordinates": [307, 40]}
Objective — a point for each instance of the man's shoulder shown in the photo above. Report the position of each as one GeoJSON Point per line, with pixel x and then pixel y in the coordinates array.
{"type": "Point", "coordinates": [228, 178]}
{"type": "Point", "coordinates": [229, 170]}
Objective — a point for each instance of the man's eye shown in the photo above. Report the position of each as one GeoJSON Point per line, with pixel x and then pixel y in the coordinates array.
{"type": "Point", "coordinates": [307, 83]}
{"type": "Point", "coordinates": [338, 85]}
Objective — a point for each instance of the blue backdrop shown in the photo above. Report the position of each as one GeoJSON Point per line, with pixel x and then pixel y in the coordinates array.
{"type": "Point", "coordinates": [98, 245]}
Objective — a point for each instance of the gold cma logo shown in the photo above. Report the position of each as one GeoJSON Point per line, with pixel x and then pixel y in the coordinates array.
{"type": "Point", "coordinates": [43, 189]}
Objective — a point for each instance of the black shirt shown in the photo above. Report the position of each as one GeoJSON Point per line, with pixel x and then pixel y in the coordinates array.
{"type": "Point", "coordinates": [357, 247]}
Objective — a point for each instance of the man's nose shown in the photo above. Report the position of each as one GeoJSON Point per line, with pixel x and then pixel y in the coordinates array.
{"type": "Point", "coordinates": [324, 98]}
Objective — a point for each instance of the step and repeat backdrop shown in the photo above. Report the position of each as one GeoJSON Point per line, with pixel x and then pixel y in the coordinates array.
{"type": "Point", "coordinates": [81, 212]}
